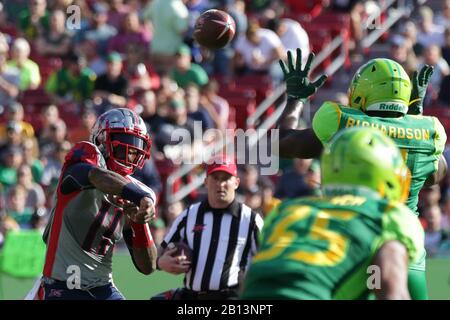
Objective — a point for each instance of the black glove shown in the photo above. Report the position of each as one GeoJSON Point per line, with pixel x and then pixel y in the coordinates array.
{"type": "Point", "coordinates": [420, 81]}
{"type": "Point", "coordinates": [298, 85]}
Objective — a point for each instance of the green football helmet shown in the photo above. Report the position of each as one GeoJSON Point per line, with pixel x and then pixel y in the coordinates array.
{"type": "Point", "coordinates": [365, 157]}
{"type": "Point", "coordinates": [380, 85]}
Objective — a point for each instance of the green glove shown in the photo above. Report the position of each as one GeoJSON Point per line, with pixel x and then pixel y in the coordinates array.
{"type": "Point", "coordinates": [420, 82]}
{"type": "Point", "coordinates": [298, 85]}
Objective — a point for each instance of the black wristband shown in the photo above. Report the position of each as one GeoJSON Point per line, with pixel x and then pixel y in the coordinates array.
{"type": "Point", "coordinates": [134, 194]}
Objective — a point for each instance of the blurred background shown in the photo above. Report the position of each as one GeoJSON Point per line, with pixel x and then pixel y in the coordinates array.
{"type": "Point", "coordinates": [64, 62]}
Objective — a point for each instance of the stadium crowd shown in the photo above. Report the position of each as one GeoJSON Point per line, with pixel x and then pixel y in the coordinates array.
{"type": "Point", "coordinates": [61, 67]}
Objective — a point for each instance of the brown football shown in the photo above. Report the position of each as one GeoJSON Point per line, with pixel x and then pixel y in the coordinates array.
{"type": "Point", "coordinates": [214, 29]}
{"type": "Point", "coordinates": [182, 250]}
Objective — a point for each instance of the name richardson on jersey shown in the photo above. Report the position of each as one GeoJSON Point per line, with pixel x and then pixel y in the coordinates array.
{"type": "Point", "coordinates": [392, 131]}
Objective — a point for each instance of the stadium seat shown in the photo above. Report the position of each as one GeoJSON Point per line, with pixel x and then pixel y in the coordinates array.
{"type": "Point", "coordinates": [243, 101]}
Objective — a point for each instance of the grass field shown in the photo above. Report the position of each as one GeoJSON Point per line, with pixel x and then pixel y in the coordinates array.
{"type": "Point", "coordinates": [136, 286]}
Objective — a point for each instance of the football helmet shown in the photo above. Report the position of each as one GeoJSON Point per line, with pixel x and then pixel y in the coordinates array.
{"type": "Point", "coordinates": [365, 157]}
{"type": "Point", "coordinates": [380, 85]}
{"type": "Point", "coordinates": [121, 136]}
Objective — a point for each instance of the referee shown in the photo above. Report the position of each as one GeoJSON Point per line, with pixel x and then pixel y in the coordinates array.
{"type": "Point", "coordinates": [222, 235]}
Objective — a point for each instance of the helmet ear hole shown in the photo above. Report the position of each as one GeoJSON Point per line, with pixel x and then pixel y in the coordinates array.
{"type": "Point", "coordinates": [357, 100]}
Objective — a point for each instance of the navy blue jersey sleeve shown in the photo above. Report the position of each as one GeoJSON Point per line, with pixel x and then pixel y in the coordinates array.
{"type": "Point", "coordinates": [76, 177]}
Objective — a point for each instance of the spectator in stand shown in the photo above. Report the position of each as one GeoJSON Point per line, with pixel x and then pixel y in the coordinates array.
{"type": "Point", "coordinates": [16, 206]}
{"type": "Point", "coordinates": [117, 12]}
{"type": "Point", "coordinates": [356, 10]}
{"type": "Point", "coordinates": [52, 170]}
{"type": "Point", "coordinates": [401, 52]}
{"type": "Point", "coordinates": [34, 20]}
{"type": "Point", "coordinates": [31, 158]}
{"type": "Point", "coordinates": [7, 26]}
{"type": "Point", "coordinates": [291, 34]}
{"type": "Point", "coordinates": [444, 91]}
{"type": "Point", "coordinates": [14, 136]}
{"type": "Point", "coordinates": [307, 8]}
{"type": "Point", "coordinates": [15, 112]}
{"type": "Point", "coordinates": [49, 116]}
{"type": "Point", "coordinates": [99, 30]}
{"type": "Point", "coordinates": [169, 19]}
{"type": "Point", "coordinates": [249, 180]}
{"type": "Point", "coordinates": [7, 224]}
{"type": "Point", "coordinates": [218, 108]}
{"type": "Point", "coordinates": [73, 82]}
{"type": "Point", "coordinates": [269, 202]}
{"type": "Point", "coordinates": [149, 113]}
{"type": "Point", "coordinates": [179, 122]}
{"type": "Point", "coordinates": [433, 57]}
{"type": "Point", "coordinates": [258, 51]}
{"type": "Point", "coordinates": [149, 176]}
{"type": "Point", "coordinates": [446, 48]}
{"type": "Point", "coordinates": [254, 199]}
{"type": "Point", "coordinates": [89, 50]}
{"type": "Point", "coordinates": [185, 71]}
{"type": "Point", "coordinates": [58, 134]}
{"type": "Point", "coordinates": [409, 31]}
{"type": "Point", "coordinates": [292, 183]}
{"type": "Point", "coordinates": [35, 196]}
{"type": "Point", "coordinates": [445, 223]}
{"type": "Point", "coordinates": [197, 112]}
{"type": "Point", "coordinates": [9, 76]}
{"type": "Point", "coordinates": [30, 77]}
{"type": "Point", "coordinates": [111, 87]}
{"type": "Point", "coordinates": [56, 42]}
{"type": "Point", "coordinates": [429, 33]}
{"type": "Point", "coordinates": [164, 95]}
{"type": "Point", "coordinates": [443, 18]}
{"type": "Point", "coordinates": [171, 211]}
{"type": "Point", "coordinates": [82, 133]}
{"type": "Point", "coordinates": [434, 235]}
{"type": "Point", "coordinates": [141, 76]}
{"type": "Point", "coordinates": [130, 31]}
{"type": "Point", "coordinates": [11, 160]}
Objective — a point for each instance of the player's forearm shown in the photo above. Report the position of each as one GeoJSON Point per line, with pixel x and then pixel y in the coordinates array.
{"type": "Point", "coordinates": [291, 114]}
{"type": "Point", "coordinates": [145, 259]}
{"type": "Point", "coordinates": [107, 181]}
{"type": "Point", "coordinates": [392, 259]}
{"type": "Point", "coordinates": [113, 183]}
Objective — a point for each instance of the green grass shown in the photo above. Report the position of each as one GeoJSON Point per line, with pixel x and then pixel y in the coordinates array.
{"type": "Point", "coordinates": [136, 286]}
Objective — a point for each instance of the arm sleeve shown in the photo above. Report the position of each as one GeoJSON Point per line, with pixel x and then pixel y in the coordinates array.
{"type": "Point", "coordinates": [401, 224]}
{"type": "Point", "coordinates": [78, 162]}
{"type": "Point", "coordinates": [326, 121]}
{"type": "Point", "coordinates": [439, 140]}
{"type": "Point", "coordinates": [76, 178]}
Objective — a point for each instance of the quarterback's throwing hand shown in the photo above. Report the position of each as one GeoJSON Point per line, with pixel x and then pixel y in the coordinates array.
{"type": "Point", "coordinates": [142, 214]}
{"type": "Point", "coordinates": [298, 85]}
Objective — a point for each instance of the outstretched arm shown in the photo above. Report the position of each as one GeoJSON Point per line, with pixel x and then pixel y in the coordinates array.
{"type": "Point", "coordinates": [139, 242]}
{"type": "Point", "coordinates": [298, 143]}
{"type": "Point", "coordinates": [440, 173]}
{"type": "Point", "coordinates": [392, 259]}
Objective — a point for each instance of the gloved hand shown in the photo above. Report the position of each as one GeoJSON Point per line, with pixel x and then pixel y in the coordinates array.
{"type": "Point", "coordinates": [298, 85]}
{"type": "Point", "coordinates": [420, 82]}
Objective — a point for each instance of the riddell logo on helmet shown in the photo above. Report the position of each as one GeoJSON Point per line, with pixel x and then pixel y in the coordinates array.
{"type": "Point", "coordinates": [391, 107]}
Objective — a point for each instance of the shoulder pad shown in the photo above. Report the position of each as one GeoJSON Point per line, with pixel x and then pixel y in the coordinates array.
{"type": "Point", "coordinates": [85, 152]}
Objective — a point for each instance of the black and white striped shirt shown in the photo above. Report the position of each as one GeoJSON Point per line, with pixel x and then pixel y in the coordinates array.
{"type": "Point", "coordinates": [223, 242]}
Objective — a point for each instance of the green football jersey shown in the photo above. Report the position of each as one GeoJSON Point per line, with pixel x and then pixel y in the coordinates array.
{"type": "Point", "coordinates": [421, 139]}
{"type": "Point", "coordinates": [321, 248]}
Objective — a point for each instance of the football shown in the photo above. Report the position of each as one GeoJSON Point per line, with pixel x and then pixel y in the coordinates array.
{"type": "Point", "coordinates": [182, 249]}
{"type": "Point", "coordinates": [214, 29]}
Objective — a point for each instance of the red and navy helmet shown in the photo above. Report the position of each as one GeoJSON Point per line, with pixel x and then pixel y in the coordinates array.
{"type": "Point", "coordinates": [121, 136]}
